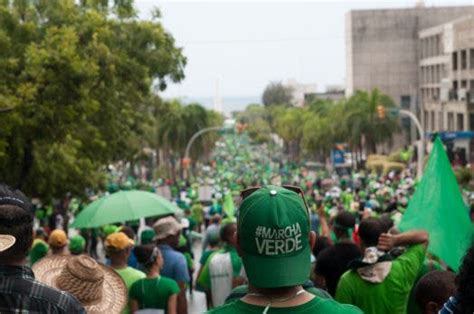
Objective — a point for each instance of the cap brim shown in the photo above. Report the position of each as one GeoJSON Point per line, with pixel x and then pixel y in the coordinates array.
{"type": "Point", "coordinates": [6, 241]}
{"type": "Point", "coordinates": [114, 295]}
{"type": "Point", "coordinates": [275, 272]}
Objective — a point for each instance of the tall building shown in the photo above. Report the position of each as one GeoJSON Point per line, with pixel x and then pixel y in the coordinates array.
{"type": "Point", "coordinates": [446, 71]}
{"type": "Point", "coordinates": [382, 51]}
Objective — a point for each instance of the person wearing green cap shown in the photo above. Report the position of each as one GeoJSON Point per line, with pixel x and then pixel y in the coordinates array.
{"type": "Point", "coordinates": [77, 245]}
{"type": "Point", "coordinates": [274, 241]}
{"type": "Point", "coordinates": [147, 235]}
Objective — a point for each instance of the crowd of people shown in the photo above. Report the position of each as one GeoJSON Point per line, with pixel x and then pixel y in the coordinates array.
{"type": "Point", "coordinates": [296, 242]}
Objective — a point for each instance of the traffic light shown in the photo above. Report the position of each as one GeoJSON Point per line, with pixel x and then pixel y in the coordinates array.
{"type": "Point", "coordinates": [381, 112]}
{"type": "Point", "coordinates": [186, 162]}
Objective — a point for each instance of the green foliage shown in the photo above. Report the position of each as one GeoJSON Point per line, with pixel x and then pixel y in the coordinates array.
{"type": "Point", "coordinates": [277, 94]}
{"type": "Point", "coordinates": [79, 77]}
{"type": "Point", "coordinates": [314, 129]}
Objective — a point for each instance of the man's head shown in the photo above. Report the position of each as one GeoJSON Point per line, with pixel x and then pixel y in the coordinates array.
{"type": "Point", "coordinates": [16, 220]}
{"type": "Point", "coordinates": [274, 237]}
{"type": "Point", "coordinates": [167, 231]}
{"type": "Point", "coordinates": [332, 262]}
{"type": "Point", "coordinates": [343, 222]}
{"type": "Point", "coordinates": [433, 290]}
{"type": "Point", "coordinates": [370, 230]}
{"type": "Point", "coordinates": [227, 233]}
{"type": "Point", "coordinates": [118, 246]}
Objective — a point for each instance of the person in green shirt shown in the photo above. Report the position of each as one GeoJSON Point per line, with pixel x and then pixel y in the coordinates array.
{"type": "Point", "coordinates": [118, 247]}
{"type": "Point", "coordinates": [274, 241]}
{"type": "Point", "coordinates": [378, 284]}
{"type": "Point", "coordinates": [154, 291]}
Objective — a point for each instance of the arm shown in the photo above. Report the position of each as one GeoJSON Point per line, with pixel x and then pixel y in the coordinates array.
{"type": "Point", "coordinates": [181, 298]}
{"type": "Point", "coordinates": [388, 241]}
{"type": "Point", "coordinates": [325, 231]}
{"type": "Point", "coordinates": [134, 305]}
{"type": "Point", "coordinates": [172, 304]}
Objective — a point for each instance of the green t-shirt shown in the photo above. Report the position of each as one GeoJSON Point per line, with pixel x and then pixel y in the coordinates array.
{"type": "Point", "coordinates": [129, 276]}
{"type": "Point", "coordinates": [389, 296]}
{"type": "Point", "coordinates": [153, 293]}
{"type": "Point", "coordinates": [316, 305]}
{"type": "Point", "coordinates": [240, 292]}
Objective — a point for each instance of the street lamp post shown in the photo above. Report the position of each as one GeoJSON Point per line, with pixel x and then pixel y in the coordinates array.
{"type": "Point", "coordinates": [421, 146]}
{"type": "Point", "coordinates": [194, 137]}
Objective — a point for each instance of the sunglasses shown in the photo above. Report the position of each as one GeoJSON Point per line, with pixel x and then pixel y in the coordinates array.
{"type": "Point", "coordinates": [247, 192]}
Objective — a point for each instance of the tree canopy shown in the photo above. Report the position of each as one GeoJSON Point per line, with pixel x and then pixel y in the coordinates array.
{"type": "Point", "coordinates": [75, 85]}
{"type": "Point", "coordinates": [277, 94]}
{"type": "Point", "coordinates": [311, 131]}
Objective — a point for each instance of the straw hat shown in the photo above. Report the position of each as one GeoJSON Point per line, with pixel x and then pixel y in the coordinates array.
{"type": "Point", "coordinates": [6, 242]}
{"type": "Point", "coordinates": [98, 287]}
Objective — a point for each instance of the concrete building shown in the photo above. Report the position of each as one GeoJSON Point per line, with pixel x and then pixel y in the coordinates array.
{"type": "Point", "coordinates": [300, 91]}
{"type": "Point", "coordinates": [446, 72]}
{"type": "Point", "coordinates": [382, 51]}
{"type": "Point", "coordinates": [332, 93]}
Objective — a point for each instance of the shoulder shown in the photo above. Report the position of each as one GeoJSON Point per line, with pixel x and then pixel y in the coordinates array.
{"type": "Point", "coordinates": [228, 308]}
{"type": "Point", "coordinates": [135, 273]}
{"type": "Point", "coordinates": [332, 306]}
{"type": "Point", "coordinates": [349, 276]}
{"type": "Point", "coordinates": [56, 298]}
{"type": "Point", "coordinates": [168, 282]}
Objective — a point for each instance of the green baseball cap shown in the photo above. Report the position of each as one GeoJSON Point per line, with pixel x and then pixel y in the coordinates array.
{"type": "Point", "coordinates": [77, 244]}
{"type": "Point", "coordinates": [273, 230]}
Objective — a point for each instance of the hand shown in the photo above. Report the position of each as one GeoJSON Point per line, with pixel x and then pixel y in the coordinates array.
{"type": "Point", "coordinates": [386, 242]}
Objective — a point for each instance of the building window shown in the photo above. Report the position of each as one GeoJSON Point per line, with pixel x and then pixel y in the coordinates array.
{"type": "Point", "coordinates": [471, 58]}
{"type": "Point", "coordinates": [471, 121]}
{"type": "Point", "coordinates": [463, 59]}
{"type": "Point", "coordinates": [463, 84]}
{"type": "Point", "coordinates": [450, 121]}
{"type": "Point", "coordinates": [405, 101]}
{"type": "Point", "coordinates": [460, 118]}
{"type": "Point", "coordinates": [455, 61]}
{"type": "Point", "coordinates": [433, 128]}
{"type": "Point", "coordinates": [440, 121]}
{"type": "Point", "coordinates": [472, 85]}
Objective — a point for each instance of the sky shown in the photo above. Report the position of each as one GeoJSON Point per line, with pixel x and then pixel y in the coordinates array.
{"type": "Point", "coordinates": [243, 45]}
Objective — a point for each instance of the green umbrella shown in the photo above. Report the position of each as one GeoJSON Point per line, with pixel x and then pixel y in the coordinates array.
{"type": "Point", "coordinates": [123, 206]}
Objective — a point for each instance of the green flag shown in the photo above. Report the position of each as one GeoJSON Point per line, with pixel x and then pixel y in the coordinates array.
{"type": "Point", "coordinates": [437, 207]}
{"type": "Point", "coordinates": [229, 207]}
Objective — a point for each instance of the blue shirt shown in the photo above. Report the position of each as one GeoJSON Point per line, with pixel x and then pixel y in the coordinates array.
{"type": "Point", "coordinates": [175, 266]}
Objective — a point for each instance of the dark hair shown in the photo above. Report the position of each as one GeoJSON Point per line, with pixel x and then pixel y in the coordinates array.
{"type": "Point", "coordinates": [465, 282]}
{"type": "Point", "coordinates": [344, 220]}
{"type": "Point", "coordinates": [436, 286]}
{"type": "Point", "coordinates": [321, 244]}
{"type": "Point", "coordinates": [386, 222]}
{"type": "Point", "coordinates": [144, 254]}
{"type": "Point", "coordinates": [16, 219]}
{"type": "Point", "coordinates": [334, 261]}
{"type": "Point", "coordinates": [128, 231]}
{"type": "Point", "coordinates": [227, 231]}
{"type": "Point", "coordinates": [370, 230]}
